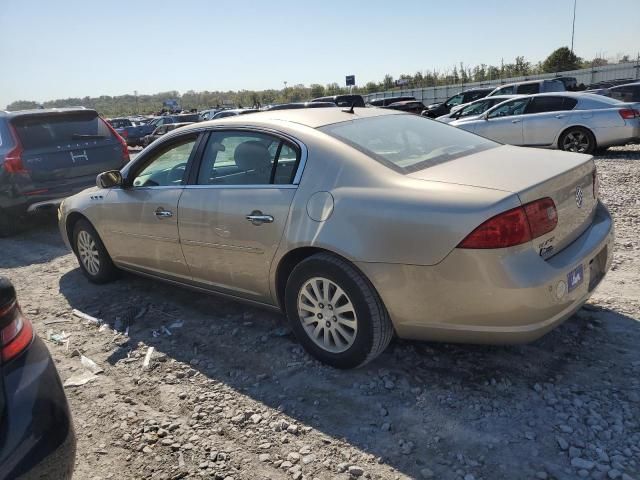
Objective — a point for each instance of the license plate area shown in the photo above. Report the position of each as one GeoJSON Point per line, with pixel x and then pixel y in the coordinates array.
{"type": "Point", "coordinates": [597, 267]}
{"type": "Point", "coordinates": [575, 278]}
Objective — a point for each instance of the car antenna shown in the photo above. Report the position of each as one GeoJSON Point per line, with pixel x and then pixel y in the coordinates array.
{"type": "Point", "coordinates": [350, 109]}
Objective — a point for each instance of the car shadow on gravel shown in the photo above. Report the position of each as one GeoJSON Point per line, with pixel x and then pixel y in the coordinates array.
{"type": "Point", "coordinates": [448, 407]}
{"type": "Point", "coordinates": [38, 242]}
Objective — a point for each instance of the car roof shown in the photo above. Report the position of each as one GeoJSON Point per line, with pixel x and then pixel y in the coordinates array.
{"type": "Point", "coordinates": [528, 82]}
{"type": "Point", "coordinates": [43, 111]}
{"type": "Point", "coordinates": [310, 117]}
{"type": "Point", "coordinates": [634, 84]}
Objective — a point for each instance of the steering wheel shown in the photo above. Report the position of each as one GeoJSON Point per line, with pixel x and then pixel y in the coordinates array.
{"type": "Point", "coordinates": [176, 174]}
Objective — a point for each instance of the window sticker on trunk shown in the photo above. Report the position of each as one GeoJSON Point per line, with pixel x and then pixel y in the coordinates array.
{"type": "Point", "coordinates": [575, 277]}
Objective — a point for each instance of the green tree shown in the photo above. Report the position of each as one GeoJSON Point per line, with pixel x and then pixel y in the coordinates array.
{"type": "Point", "coordinates": [387, 82]}
{"type": "Point", "coordinates": [317, 90]}
{"type": "Point", "coordinates": [561, 60]}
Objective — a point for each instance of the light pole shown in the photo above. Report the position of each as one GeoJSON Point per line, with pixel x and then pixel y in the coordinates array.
{"type": "Point", "coordinates": [135, 92]}
{"type": "Point", "coordinates": [573, 25]}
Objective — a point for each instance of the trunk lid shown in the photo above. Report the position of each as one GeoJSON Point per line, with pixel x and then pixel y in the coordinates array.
{"type": "Point", "coordinates": [532, 174]}
{"type": "Point", "coordinates": [66, 145]}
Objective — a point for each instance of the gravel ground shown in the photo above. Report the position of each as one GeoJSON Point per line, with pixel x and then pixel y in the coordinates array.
{"type": "Point", "coordinates": [228, 394]}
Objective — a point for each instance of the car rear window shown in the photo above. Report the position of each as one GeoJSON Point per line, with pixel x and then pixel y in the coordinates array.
{"type": "Point", "coordinates": [41, 131]}
{"type": "Point", "coordinates": [407, 143]}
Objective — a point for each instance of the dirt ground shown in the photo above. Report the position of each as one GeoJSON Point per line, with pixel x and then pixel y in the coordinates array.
{"type": "Point", "coordinates": [229, 394]}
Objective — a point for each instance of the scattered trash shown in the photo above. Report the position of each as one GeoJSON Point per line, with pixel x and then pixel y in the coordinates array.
{"type": "Point", "coordinates": [80, 379]}
{"type": "Point", "coordinates": [166, 330]}
{"type": "Point", "coordinates": [155, 333]}
{"type": "Point", "coordinates": [59, 338]}
{"type": "Point", "coordinates": [103, 327]}
{"type": "Point", "coordinates": [58, 320]}
{"type": "Point", "coordinates": [281, 331]}
{"type": "Point", "coordinates": [90, 365]}
{"type": "Point", "coordinates": [86, 317]}
{"type": "Point", "coordinates": [147, 358]}
{"type": "Point", "coordinates": [177, 324]}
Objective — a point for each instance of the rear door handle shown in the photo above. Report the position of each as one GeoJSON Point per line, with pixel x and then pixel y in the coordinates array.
{"type": "Point", "coordinates": [515, 121]}
{"type": "Point", "coordinates": [258, 218]}
{"type": "Point", "coordinates": [559, 116]}
{"type": "Point", "coordinates": [162, 213]}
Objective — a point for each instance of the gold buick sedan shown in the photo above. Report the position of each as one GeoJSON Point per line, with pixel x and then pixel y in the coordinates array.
{"type": "Point", "coordinates": [358, 224]}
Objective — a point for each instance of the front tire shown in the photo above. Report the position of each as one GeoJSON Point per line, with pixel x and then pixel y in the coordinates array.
{"type": "Point", "coordinates": [93, 257]}
{"type": "Point", "coordinates": [335, 312]}
{"type": "Point", "coordinates": [578, 140]}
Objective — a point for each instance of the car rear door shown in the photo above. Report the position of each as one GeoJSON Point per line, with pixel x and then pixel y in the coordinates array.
{"type": "Point", "coordinates": [545, 117]}
{"type": "Point", "coordinates": [504, 122]}
{"type": "Point", "coordinates": [232, 216]}
{"type": "Point", "coordinates": [139, 222]}
{"type": "Point", "coordinates": [64, 151]}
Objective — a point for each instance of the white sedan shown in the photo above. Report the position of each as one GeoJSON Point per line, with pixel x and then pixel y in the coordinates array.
{"type": "Point", "coordinates": [576, 122]}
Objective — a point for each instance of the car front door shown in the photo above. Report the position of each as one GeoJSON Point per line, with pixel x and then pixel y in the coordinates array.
{"type": "Point", "coordinates": [503, 123]}
{"type": "Point", "coordinates": [545, 117]}
{"type": "Point", "coordinates": [232, 217]}
{"type": "Point", "coordinates": [139, 222]}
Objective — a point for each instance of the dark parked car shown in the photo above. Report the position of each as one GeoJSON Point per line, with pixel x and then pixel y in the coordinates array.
{"type": "Point", "coordinates": [135, 132]}
{"type": "Point", "coordinates": [293, 106]}
{"type": "Point", "coordinates": [410, 106]}
{"type": "Point", "coordinates": [233, 111]}
{"type": "Point", "coordinates": [49, 154]}
{"type": "Point", "coordinates": [437, 109]}
{"type": "Point", "coordinates": [343, 100]}
{"type": "Point", "coordinates": [625, 93]}
{"type": "Point", "coordinates": [383, 102]}
{"type": "Point", "coordinates": [37, 439]}
{"type": "Point", "coordinates": [161, 130]}
{"type": "Point", "coordinates": [570, 83]}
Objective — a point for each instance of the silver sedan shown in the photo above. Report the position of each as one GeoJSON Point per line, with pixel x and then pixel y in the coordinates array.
{"type": "Point", "coordinates": [575, 122]}
{"type": "Point", "coordinates": [358, 224]}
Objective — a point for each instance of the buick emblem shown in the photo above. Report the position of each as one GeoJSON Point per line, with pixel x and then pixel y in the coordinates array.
{"type": "Point", "coordinates": [579, 196]}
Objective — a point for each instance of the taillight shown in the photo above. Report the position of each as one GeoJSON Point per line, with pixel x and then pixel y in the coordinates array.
{"type": "Point", "coordinates": [514, 227]}
{"type": "Point", "coordinates": [629, 113]}
{"type": "Point", "coordinates": [542, 216]}
{"type": "Point", "coordinates": [596, 183]}
{"type": "Point", "coordinates": [16, 331]}
{"type": "Point", "coordinates": [123, 143]}
{"type": "Point", "coordinates": [13, 159]}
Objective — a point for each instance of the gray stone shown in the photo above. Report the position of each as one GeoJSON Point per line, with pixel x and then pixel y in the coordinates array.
{"type": "Point", "coordinates": [613, 474]}
{"type": "Point", "coordinates": [562, 443]}
{"type": "Point", "coordinates": [356, 471]}
{"type": "Point", "coordinates": [582, 463]}
{"type": "Point", "coordinates": [426, 473]}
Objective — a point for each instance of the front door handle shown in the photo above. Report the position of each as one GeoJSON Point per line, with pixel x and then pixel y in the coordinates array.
{"type": "Point", "coordinates": [515, 121]}
{"type": "Point", "coordinates": [559, 116]}
{"type": "Point", "coordinates": [258, 218]}
{"type": "Point", "coordinates": [162, 213]}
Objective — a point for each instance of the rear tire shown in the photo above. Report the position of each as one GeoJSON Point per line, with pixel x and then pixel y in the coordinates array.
{"type": "Point", "coordinates": [578, 140]}
{"type": "Point", "coordinates": [92, 255]}
{"type": "Point", "coordinates": [335, 312]}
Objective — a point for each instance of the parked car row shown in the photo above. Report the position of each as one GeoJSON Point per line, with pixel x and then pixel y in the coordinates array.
{"type": "Point", "coordinates": [576, 122]}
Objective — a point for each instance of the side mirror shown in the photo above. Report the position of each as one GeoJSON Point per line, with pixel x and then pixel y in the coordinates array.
{"type": "Point", "coordinates": [110, 179]}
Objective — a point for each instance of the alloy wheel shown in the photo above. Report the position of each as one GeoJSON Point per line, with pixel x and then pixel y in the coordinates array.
{"type": "Point", "coordinates": [327, 315]}
{"type": "Point", "coordinates": [576, 141]}
{"type": "Point", "coordinates": [88, 252]}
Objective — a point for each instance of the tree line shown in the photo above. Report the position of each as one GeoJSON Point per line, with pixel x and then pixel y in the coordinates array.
{"type": "Point", "coordinates": [559, 60]}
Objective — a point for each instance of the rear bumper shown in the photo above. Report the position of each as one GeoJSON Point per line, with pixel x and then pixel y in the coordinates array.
{"type": "Point", "coordinates": [493, 296]}
{"type": "Point", "coordinates": [16, 203]}
{"type": "Point", "coordinates": [629, 133]}
{"type": "Point", "coordinates": [37, 438]}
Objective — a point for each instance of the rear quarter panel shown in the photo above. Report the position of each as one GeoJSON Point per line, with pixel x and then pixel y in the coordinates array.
{"type": "Point", "coordinates": [379, 215]}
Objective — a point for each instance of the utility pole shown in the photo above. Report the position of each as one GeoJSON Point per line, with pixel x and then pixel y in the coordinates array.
{"type": "Point", "coordinates": [573, 25]}
{"type": "Point", "coordinates": [135, 92]}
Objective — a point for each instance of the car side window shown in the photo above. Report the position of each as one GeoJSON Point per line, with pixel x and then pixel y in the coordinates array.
{"type": "Point", "coordinates": [453, 101]}
{"type": "Point", "coordinates": [514, 107]}
{"type": "Point", "coordinates": [471, 96]}
{"type": "Point", "coordinates": [528, 88]}
{"type": "Point", "coordinates": [546, 104]}
{"type": "Point", "coordinates": [167, 167]}
{"type": "Point", "coordinates": [475, 109]}
{"type": "Point", "coordinates": [247, 158]}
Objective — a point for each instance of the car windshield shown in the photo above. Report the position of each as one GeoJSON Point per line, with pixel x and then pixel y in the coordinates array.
{"type": "Point", "coordinates": [407, 143]}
